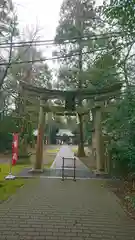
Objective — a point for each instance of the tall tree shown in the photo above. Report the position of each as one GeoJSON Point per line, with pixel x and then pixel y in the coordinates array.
{"type": "Point", "coordinates": [121, 13]}
{"type": "Point", "coordinates": [121, 122]}
{"type": "Point", "coordinates": [8, 30]}
{"type": "Point", "coordinates": [37, 74]}
{"type": "Point", "coordinates": [78, 19]}
{"type": "Point", "coordinates": [33, 71]}
{"type": "Point", "coordinates": [6, 16]}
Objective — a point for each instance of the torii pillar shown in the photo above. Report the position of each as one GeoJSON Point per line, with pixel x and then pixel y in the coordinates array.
{"type": "Point", "coordinates": [99, 146]}
{"type": "Point", "coordinates": [40, 139]}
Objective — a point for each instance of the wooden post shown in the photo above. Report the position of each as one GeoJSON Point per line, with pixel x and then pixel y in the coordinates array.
{"type": "Point", "coordinates": [40, 139]}
{"type": "Point", "coordinates": [98, 139]}
{"type": "Point", "coordinates": [93, 146]}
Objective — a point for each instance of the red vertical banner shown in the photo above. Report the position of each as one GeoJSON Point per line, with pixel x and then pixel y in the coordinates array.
{"type": "Point", "coordinates": [15, 148]}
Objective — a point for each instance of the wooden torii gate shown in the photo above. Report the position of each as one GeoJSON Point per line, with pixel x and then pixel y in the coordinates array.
{"type": "Point", "coordinates": [94, 94]}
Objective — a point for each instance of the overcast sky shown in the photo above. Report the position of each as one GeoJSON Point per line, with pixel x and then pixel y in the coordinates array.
{"type": "Point", "coordinates": [41, 13]}
{"type": "Point", "coordinates": [44, 13]}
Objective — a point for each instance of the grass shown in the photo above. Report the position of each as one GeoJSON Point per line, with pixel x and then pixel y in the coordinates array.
{"type": "Point", "coordinates": [55, 150]}
{"type": "Point", "coordinates": [9, 187]}
{"type": "Point", "coordinates": [74, 149]}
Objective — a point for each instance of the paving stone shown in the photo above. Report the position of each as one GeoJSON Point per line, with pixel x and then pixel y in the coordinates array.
{"type": "Point", "coordinates": [56, 210]}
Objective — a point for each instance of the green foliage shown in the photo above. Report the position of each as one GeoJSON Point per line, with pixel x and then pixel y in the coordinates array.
{"type": "Point", "coordinates": [8, 32]}
{"type": "Point", "coordinates": [121, 127]}
{"type": "Point", "coordinates": [122, 13]}
{"type": "Point", "coordinates": [6, 17]}
{"type": "Point", "coordinates": [77, 19]}
{"type": "Point", "coordinates": [7, 127]}
{"type": "Point", "coordinates": [120, 124]}
{"type": "Point", "coordinates": [103, 72]}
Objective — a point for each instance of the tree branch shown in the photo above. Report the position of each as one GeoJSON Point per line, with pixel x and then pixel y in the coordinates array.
{"type": "Point", "coordinates": [10, 54]}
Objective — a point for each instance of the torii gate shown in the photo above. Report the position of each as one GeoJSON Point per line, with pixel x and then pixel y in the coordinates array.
{"type": "Point", "coordinates": [97, 95]}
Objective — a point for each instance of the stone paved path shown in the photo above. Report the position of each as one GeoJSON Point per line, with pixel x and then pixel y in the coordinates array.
{"type": "Point", "coordinates": [51, 209]}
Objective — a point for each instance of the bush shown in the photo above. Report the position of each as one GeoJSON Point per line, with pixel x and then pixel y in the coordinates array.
{"type": "Point", "coordinates": [123, 157]}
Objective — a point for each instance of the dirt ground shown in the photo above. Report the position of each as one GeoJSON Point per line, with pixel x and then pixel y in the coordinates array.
{"type": "Point", "coordinates": [4, 158]}
{"type": "Point", "coordinates": [125, 192]}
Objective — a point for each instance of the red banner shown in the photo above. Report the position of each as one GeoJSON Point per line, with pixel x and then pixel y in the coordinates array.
{"type": "Point", "coordinates": [15, 148]}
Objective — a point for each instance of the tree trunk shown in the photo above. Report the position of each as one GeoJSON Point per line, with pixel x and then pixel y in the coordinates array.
{"type": "Point", "coordinates": [81, 152]}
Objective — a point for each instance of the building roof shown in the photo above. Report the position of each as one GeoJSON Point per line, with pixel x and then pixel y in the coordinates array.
{"type": "Point", "coordinates": [63, 132]}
